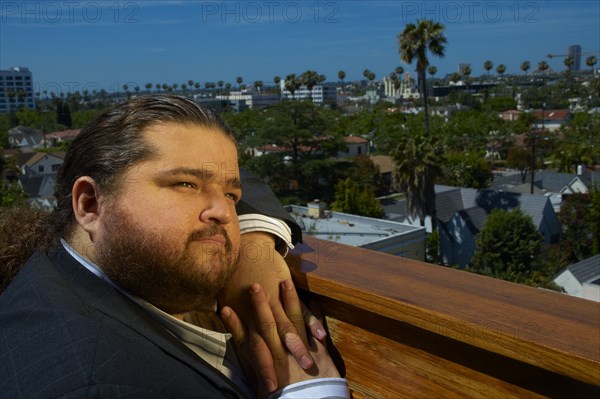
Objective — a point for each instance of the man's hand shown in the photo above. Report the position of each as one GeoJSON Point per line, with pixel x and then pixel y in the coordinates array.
{"type": "Point", "coordinates": [265, 341]}
{"type": "Point", "coordinates": [261, 263]}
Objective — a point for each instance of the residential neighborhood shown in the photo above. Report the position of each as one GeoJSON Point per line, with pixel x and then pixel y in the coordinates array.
{"type": "Point", "coordinates": [362, 146]}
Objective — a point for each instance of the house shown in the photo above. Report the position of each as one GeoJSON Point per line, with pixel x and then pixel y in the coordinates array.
{"type": "Point", "coordinates": [551, 119]}
{"type": "Point", "coordinates": [462, 212]}
{"type": "Point", "coordinates": [510, 115]}
{"type": "Point", "coordinates": [386, 167]}
{"type": "Point", "coordinates": [355, 146]}
{"type": "Point", "coordinates": [581, 279]}
{"type": "Point", "coordinates": [64, 136]}
{"type": "Point", "coordinates": [547, 182]}
{"type": "Point", "coordinates": [400, 239]}
{"type": "Point", "coordinates": [25, 137]}
{"type": "Point", "coordinates": [40, 162]}
{"type": "Point", "coordinates": [37, 186]}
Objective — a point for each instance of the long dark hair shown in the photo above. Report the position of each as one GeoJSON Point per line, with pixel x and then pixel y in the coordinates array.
{"type": "Point", "coordinates": [104, 150]}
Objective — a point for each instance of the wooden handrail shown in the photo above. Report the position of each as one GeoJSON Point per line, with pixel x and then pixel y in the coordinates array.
{"type": "Point", "coordinates": [408, 329]}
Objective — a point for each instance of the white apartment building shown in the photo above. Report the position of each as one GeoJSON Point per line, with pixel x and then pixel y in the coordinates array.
{"type": "Point", "coordinates": [320, 94]}
{"type": "Point", "coordinates": [16, 89]}
{"type": "Point", "coordinates": [406, 90]}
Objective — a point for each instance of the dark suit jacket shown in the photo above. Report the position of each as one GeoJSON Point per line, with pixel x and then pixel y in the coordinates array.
{"type": "Point", "coordinates": [64, 332]}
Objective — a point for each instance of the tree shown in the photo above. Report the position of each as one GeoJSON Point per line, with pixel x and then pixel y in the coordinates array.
{"type": "Point", "coordinates": [507, 246]}
{"type": "Point", "coordinates": [12, 195]}
{"type": "Point", "coordinates": [568, 61]}
{"type": "Point", "coordinates": [542, 66]}
{"type": "Point", "coordinates": [369, 75]}
{"type": "Point", "coordinates": [341, 76]}
{"type": "Point", "coordinates": [418, 164]}
{"type": "Point", "coordinates": [292, 83]}
{"type": "Point", "coordinates": [399, 70]}
{"type": "Point", "coordinates": [356, 200]}
{"type": "Point", "coordinates": [432, 70]}
{"type": "Point", "coordinates": [525, 65]}
{"type": "Point", "coordinates": [577, 225]}
{"type": "Point", "coordinates": [239, 80]}
{"type": "Point", "coordinates": [467, 170]}
{"type": "Point", "coordinates": [310, 79]}
{"type": "Point", "coordinates": [591, 61]}
{"type": "Point", "coordinates": [520, 159]}
{"type": "Point", "coordinates": [466, 71]}
{"type": "Point", "coordinates": [488, 65]}
{"type": "Point", "coordinates": [414, 43]}
{"type": "Point", "coordinates": [500, 69]}
{"type": "Point", "coordinates": [258, 85]}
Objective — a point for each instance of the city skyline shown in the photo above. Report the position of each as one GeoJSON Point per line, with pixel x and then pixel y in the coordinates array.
{"type": "Point", "coordinates": [74, 45]}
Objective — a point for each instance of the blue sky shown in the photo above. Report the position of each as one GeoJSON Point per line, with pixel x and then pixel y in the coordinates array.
{"type": "Point", "coordinates": [75, 44]}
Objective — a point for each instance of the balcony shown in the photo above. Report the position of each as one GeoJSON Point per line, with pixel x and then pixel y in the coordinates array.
{"type": "Point", "coordinates": [407, 329]}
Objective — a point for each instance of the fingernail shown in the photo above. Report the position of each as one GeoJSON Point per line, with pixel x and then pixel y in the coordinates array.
{"type": "Point", "coordinates": [321, 333]}
{"type": "Point", "coordinates": [254, 288]}
{"type": "Point", "coordinates": [288, 285]}
{"type": "Point", "coordinates": [225, 313]}
{"type": "Point", "coordinates": [306, 362]}
{"type": "Point", "coordinates": [270, 385]}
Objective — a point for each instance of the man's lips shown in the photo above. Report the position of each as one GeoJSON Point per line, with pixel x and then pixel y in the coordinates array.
{"type": "Point", "coordinates": [216, 239]}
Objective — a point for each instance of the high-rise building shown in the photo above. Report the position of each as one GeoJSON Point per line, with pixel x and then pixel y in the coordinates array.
{"type": "Point", "coordinates": [16, 89]}
{"type": "Point", "coordinates": [575, 54]}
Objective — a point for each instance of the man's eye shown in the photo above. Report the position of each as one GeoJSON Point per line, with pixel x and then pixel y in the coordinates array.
{"type": "Point", "coordinates": [233, 197]}
{"type": "Point", "coordinates": [186, 184]}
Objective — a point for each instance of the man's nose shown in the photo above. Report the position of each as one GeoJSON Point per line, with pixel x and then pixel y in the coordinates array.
{"type": "Point", "coordinates": [218, 209]}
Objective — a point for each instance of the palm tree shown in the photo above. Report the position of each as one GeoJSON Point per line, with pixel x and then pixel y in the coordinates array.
{"type": "Point", "coordinates": [414, 42]}
{"type": "Point", "coordinates": [399, 70]}
{"type": "Point", "coordinates": [258, 84]}
{"type": "Point", "coordinates": [157, 86]}
{"type": "Point", "coordinates": [432, 70]}
{"type": "Point", "coordinates": [525, 65]}
{"type": "Point", "coordinates": [500, 69]}
{"type": "Point", "coordinates": [292, 83]}
{"type": "Point", "coordinates": [488, 65]}
{"type": "Point", "coordinates": [148, 86]}
{"type": "Point", "coordinates": [418, 163]}
{"type": "Point", "coordinates": [591, 61]}
{"type": "Point", "coordinates": [369, 75]}
{"type": "Point", "coordinates": [466, 72]}
{"type": "Point", "coordinates": [569, 61]}
{"type": "Point", "coordinates": [239, 80]}
{"type": "Point", "coordinates": [454, 77]}
{"type": "Point", "coordinates": [542, 66]}
{"type": "Point", "coordinates": [310, 79]}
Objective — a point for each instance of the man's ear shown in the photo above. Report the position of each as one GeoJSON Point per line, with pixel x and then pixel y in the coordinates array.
{"type": "Point", "coordinates": [85, 202]}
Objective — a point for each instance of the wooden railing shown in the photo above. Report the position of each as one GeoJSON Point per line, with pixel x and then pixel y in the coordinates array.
{"type": "Point", "coordinates": [407, 329]}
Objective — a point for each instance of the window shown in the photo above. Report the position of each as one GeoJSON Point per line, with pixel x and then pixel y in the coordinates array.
{"type": "Point", "coordinates": [41, 168]}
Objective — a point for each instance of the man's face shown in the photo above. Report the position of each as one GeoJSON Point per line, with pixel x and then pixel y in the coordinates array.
{"type": "Point", "coordinates": [171, 235]}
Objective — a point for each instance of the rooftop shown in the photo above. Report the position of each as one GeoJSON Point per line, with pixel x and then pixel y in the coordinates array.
{"type": "Point", "coordinates": [344, 228]}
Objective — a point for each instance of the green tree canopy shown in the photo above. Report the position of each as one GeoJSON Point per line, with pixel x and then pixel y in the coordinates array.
{"type": "Point", "coordinates": [507, 246]}
{"type": "Point", "coordinates": [356, 200]}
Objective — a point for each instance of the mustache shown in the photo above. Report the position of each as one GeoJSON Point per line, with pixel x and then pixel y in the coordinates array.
{"type": "Point", "coordinates": [210, 231]}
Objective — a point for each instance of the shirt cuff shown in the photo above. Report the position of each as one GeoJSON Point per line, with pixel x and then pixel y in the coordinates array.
{"type": "Point", "coordinates": [256, 222]}
{"type": "Point", "coordinates": [330, 388]}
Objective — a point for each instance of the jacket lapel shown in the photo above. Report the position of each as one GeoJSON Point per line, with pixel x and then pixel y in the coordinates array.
{"type": "Point", "coordinates": [106, 299]}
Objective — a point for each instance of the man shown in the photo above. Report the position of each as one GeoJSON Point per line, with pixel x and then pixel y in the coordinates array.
{"type": "Point", "coordinates": [148, 231]}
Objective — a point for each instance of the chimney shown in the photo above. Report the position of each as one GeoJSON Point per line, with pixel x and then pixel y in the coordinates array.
{"type": "Point", "coordinates": [316, 209]}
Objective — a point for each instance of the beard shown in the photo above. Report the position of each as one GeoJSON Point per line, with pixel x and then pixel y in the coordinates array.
{"type": "Point", "coordinates": [147, 264]}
